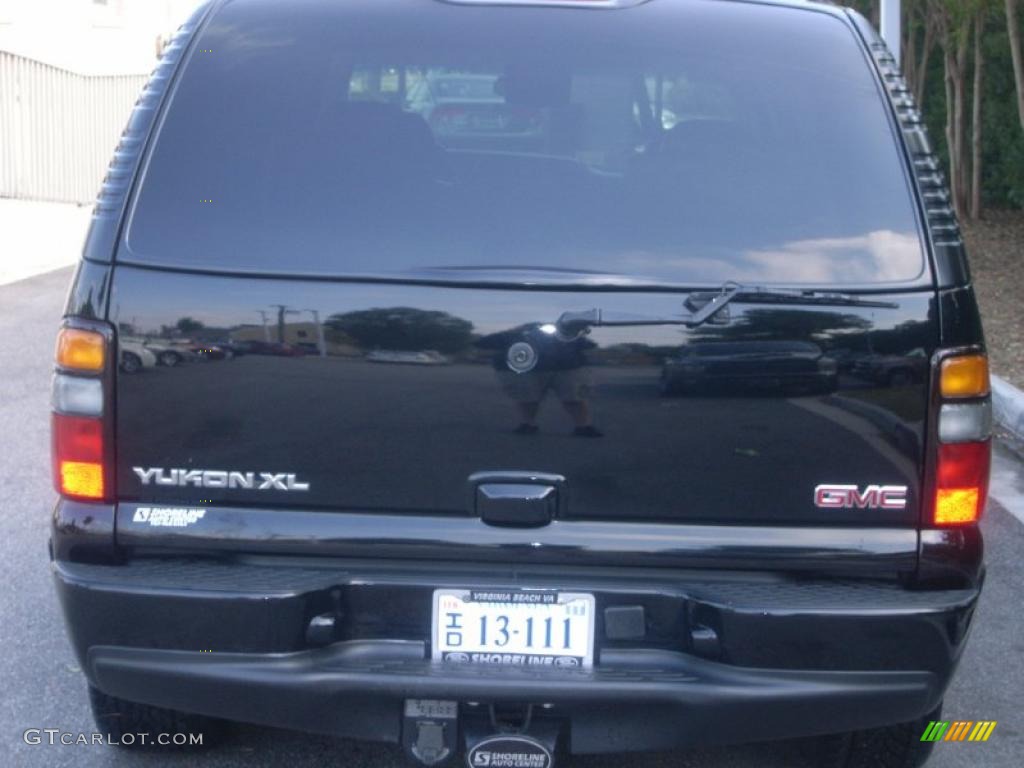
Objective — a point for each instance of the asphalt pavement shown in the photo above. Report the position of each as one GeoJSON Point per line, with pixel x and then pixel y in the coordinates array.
{"type": "Point", "coordinates": [42, 686]}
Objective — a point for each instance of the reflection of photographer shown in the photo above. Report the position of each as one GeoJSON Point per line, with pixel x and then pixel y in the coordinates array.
{"type": "Point", "coordinates": [531, 361]}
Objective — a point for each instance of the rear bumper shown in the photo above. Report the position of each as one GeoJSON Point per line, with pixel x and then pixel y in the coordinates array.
{"type": "Point", "coordinates": [637, 700]}
{"type": "Point", "coordinates": [739, 657]}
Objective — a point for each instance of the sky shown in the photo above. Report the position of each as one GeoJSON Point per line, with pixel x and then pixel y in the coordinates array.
{"type": "Point", "coordinates": [90, 37]}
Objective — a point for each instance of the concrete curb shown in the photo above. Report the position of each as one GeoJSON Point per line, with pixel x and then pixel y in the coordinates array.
{"type": "Point", "coordinates": [1008, 407]}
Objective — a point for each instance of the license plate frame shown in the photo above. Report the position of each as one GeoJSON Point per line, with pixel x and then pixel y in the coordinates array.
{"type": "Point", "coordinates": [574, 612]}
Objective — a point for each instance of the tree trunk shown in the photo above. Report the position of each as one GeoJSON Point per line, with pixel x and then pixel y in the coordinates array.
{"type": "Point", "coordinates": [922, 67]}
{"type": "Point", "coordinates": [910, 53]}
{"type": "Point", "coordinates": [950, 128]}
{"type": "Point", "coordinates": [1013, 27]}
{"type": "Point", "coordinates": [956, 53]}
{"type": "Point", "coordinates": [961, 121]}
{"type": "Point", "coordinates": [976, 121]}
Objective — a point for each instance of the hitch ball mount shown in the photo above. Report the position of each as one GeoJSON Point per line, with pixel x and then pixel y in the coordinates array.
{"type": "Point", "coordinates": [431, 730]}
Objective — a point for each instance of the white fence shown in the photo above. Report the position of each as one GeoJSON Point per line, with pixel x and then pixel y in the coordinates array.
{"type": "Point", "coordinates": [58, 129]}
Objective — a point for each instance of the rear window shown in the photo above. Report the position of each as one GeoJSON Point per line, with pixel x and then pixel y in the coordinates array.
{"type": "Point", "coordinates": [672, 143]}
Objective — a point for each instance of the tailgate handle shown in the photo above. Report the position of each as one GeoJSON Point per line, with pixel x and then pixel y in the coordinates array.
{"type": "Point", "coordinates": [517, 499]}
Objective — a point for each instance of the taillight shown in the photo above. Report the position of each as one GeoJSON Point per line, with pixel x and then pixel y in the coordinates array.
{"type": "Point", "coordinates": [78, 456]}
{"type": "Point", "coordinates": [964, 376]}
{"type": "Point", "coordinates": [81, 350]}
{"type": "Point", "coordinates": [79, 431]}
{"type": "Point", "coordinates": [964, 453]}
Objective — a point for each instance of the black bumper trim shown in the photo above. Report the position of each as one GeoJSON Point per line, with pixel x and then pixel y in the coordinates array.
{"type": "Point", "coordinates": [356, 689]}
{"type": "Point", "coordinates": [794, 656]}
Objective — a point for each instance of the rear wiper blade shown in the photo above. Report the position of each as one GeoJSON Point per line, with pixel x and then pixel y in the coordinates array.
{"type": "Point", "coordinates": [702, 306]}
{"type": "Point", "coordinates": [756, 294]}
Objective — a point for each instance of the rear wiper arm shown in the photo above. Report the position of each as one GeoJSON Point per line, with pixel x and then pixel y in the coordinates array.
{"type": "Point", "coordinates": [704, 305]}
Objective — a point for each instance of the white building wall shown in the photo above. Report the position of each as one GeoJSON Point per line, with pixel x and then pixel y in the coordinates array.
{"type": "Point", "coordinates": [111, 37]}
{"type": "Point", "coordinates": [70, 72]}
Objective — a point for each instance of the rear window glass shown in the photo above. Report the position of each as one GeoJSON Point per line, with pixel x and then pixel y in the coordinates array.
{"type": "Point", "coordinates": [682, 143]}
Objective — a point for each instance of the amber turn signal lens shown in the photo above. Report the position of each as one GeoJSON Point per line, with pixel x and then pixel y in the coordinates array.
{"type": "Point", "coordinates": [956, 506]}
{"type": "Point", "coordinates": [79, 350]}
{"type": "Point", "coordinates": [81, 479]}
{"type": "Point", "coordinates": [965, 376]}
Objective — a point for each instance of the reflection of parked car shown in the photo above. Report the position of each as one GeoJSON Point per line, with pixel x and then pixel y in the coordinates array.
{"type": "Point", "coordinates": [167, 354]}
{"type": "Point", "coordinates": [135, 357]}
{"type": "Point", "coordinates": [893, 370]}
{"type": "Point", "coordinates": [423, 357]}
{"type": "Point", "coordinates": [233, 348]}
{"type": "Point", "coordinates": [465, 106]}
{"type": "Point", "coordinates": [786, 367]}
{"type": "Point", "coordinates": [212, 351]}
{"type": "Point", "coordinates": [274, 348]}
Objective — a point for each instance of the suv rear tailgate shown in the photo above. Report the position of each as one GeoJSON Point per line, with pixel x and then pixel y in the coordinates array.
{"type": "Point", "coordinates": [414, 395]}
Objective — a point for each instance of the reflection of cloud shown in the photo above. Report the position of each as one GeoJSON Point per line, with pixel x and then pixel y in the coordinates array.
{"type": "Point", "coordinates": [879, 256]}
{"type": "Point", "coordinates": [235, 41]}
{"type": "Point", "coordinates": [876, 257]}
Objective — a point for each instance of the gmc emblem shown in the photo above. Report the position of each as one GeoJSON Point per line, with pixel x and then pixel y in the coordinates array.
{"type": "Point", "coordinates": [851, 497]}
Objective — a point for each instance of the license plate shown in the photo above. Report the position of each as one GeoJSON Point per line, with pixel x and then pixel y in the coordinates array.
{"type": "Point", "coordinates": [514, 627]}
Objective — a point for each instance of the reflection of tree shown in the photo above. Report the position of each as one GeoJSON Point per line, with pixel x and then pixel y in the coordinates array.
{"type": "Point", "coordinates": [898, 340]}
{"type": "Point", "coordinates": [831, 329]}
{"type": "Point", "coordinates": [188, 326]}
{"type": "Point", "coordinates": [403, 328]}
{"type": "Point", "coordinates": [87, 309]}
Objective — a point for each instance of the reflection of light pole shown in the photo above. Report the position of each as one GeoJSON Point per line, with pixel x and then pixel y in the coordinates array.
{"type": "Point", "coordinates": [320, 343]}
{"type": "Point", "coordinates": [282, 310]}
{"type": "Point", "coordinates": [266, 330]}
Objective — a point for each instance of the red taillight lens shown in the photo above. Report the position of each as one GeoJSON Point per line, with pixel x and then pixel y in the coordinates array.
{"type": "Point", "coordinates": [961, 482]}
{"type": "Point", "coordinates": [78, 457]}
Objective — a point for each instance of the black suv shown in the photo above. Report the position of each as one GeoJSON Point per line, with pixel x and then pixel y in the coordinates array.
{"type": "Point", "coordinates": [461, 492]}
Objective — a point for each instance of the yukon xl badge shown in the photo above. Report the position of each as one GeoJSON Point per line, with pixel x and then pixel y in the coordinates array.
{"type": "Point", "coordinates": [216, 478]}
{"type": "Point", "coordinates": [852, 497]}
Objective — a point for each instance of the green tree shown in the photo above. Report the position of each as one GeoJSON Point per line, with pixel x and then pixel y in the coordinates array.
{"type": "Point", "coordinates": [404, 328]}
{"type": "Point", "coordinates": [187, 326]}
